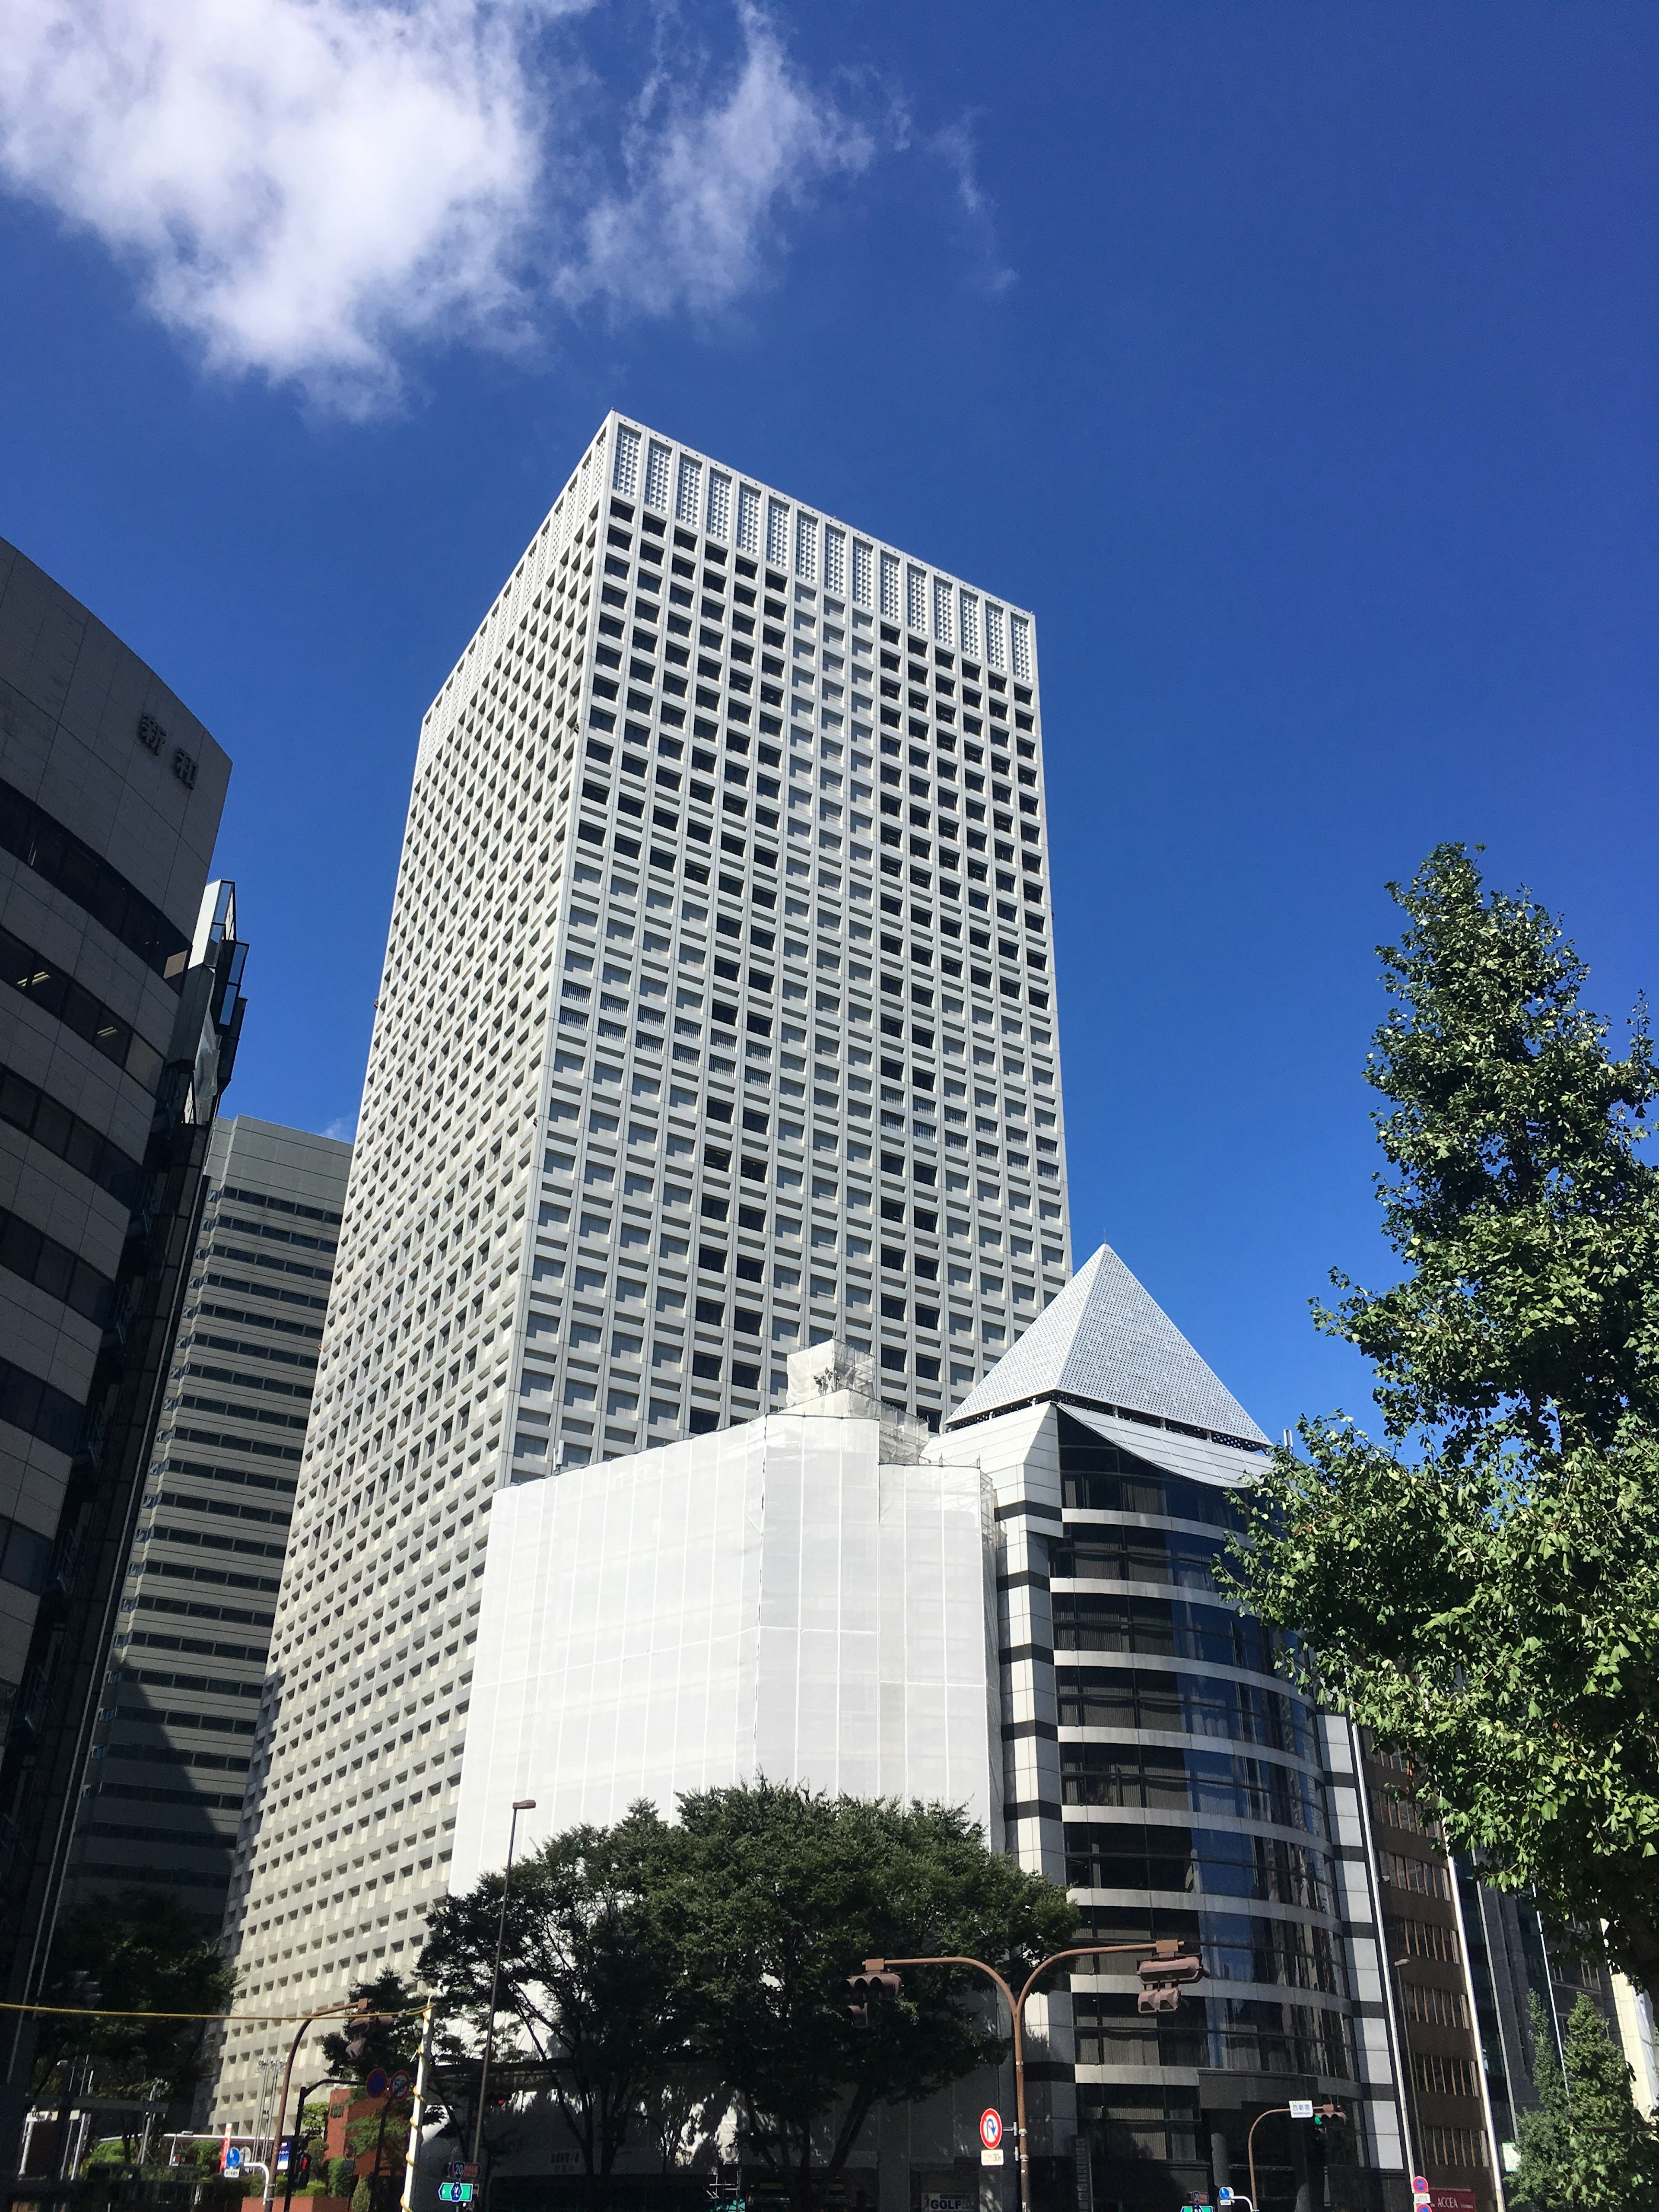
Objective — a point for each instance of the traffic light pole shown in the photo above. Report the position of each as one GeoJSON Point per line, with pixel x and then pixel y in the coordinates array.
{"type": "Point", "coordinates": [1170, 1954]}
{"type": "Point", "coordinates": [327, 2011]}
{"type": "Point", "coordinates": [1330, 2112]}
{"type": "Point", "coordinates": [306, 2088]}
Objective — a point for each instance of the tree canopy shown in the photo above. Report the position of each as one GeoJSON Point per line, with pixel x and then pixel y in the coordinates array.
{"type": "Point", "coordinates": [584, 1980]}
{"type": "Point", "coordinates": [657, 1969]}
{"type": "Point", "coordinates": [1585, 2148]}
{"type": "Point", "coordinates": [393, 2041]}
{"type": "Point", "coordinates": [1482, 1589]}
{"type": "Point", "coordinates": [135, 1950]}
{"type": "Point", "coordinates": [775, 1894]}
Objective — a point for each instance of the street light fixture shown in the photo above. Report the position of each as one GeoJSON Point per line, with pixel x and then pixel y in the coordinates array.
{"type": "Point", "coordinates": [519, 1805]}
{"type": "Point", "coordinates": [1161, 1977]}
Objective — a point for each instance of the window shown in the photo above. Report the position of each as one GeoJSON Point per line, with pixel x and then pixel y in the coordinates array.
{"type": "Point", "coordinates": [1443, 2076]}
{"type": "Point", "coordinates": [1454, 2146]}
{"type": "Point", "coordinates": [1442, 2007]}
{"type": "Point", "coordinates": [706, 1366]}
{"type": "Point", "coordinates": [1422, 1876]}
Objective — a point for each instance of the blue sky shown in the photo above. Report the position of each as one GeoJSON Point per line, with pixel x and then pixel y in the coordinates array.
{"type": "Point", "coordinates": [1297, 364]}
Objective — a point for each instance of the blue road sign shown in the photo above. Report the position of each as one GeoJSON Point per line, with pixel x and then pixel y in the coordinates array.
{"type": "Point", "coordinates": [455, 2192]}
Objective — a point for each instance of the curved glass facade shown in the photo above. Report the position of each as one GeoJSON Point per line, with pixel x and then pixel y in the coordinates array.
{"type": "Point", "coordinates": [1193, 1799]}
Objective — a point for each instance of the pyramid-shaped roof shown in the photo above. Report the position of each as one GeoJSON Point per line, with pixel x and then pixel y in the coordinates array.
{"type": "Point", "coordinates": [1106, 1342]}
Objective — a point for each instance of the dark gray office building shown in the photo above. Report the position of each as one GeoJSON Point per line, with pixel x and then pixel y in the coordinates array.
{"type": "Point", "coordinates": [163, 1787]}
{"type": "Point", "coordinates": [119, 1021]}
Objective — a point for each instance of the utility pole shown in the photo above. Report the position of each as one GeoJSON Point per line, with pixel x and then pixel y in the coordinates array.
{"type": "Point", "coordinates": [519, 1805]}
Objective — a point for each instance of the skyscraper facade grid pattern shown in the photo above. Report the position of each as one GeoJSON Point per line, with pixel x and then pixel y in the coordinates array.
{"type": "Point", "coordinates": [717, 1019]}
{"type": "Point", "coordinates": [181, 1701]}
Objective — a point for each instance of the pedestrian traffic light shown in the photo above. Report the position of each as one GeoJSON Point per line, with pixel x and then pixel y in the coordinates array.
{"type": "Point", "coordinates": [875, 1985]}
{"type": "Point", "coordinates": [1162, 1976]}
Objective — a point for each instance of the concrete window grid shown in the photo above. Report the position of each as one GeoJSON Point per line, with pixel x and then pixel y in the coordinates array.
{"type": "Point", "coordinates": [492, 840]}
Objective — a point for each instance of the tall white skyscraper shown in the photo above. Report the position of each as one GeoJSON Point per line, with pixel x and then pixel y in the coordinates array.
{"type": "Point", "coordinates": [717, 1019]}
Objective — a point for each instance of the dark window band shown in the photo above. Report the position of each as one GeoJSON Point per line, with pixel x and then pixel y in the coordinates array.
{"type": "Point", "coordinates": [23, 1556]}
{"type": "Point", "coordinates": [39, 1408]}
{"type": "Point", "coordinates": [27, 1108]}
{"type": "Point", "coordinates": [27, 1251]}
{"type": "Point", "coordinates": [71, 865]}
{"type": "Point", "coordinates": [54, 988]}
{"type": "Point", "coordinates": [195, 1799]}
{"type": "Point", "coordinates": [279, 1204]}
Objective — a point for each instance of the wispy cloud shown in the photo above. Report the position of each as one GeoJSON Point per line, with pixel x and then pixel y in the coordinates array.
{"type": "Point", "coordinates": [708, 179]}
{"type": "Point", "coordinates": [956, 146]}
{"type": "Point", "coordinates": [304, 187]}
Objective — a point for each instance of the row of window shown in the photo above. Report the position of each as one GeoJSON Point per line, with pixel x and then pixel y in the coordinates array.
{"type": "Point", "coordinates": [1192, 1781]}
{"type": "Point", "coordinates": [49, 984]}
{"type": "Point", "coordinates": [754, 522]}
{"type": "Point", "coordinates": [1236, 1946]}
{"type": "Point", "coordinates": [1196, 1861]}
{"type": "Point", "coordinates": [1250, 2035]}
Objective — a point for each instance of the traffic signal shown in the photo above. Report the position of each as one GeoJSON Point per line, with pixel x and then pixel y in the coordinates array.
{"type": "Point", "coordinates": [1162, 1978]}
{"type": "Point", "coordinates": [874, 1987]}
{"type": "Point", "coordinates": [1325, 2112]}
{"type": "Point", "coordinates": [366, 2036]}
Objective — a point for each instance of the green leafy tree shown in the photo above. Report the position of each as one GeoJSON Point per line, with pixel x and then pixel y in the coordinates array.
{"type": "Point", "coordinates": [385, 2134]}
{"type": "Point", "coordinates": [1586, 2147]}
{"type": "Point", "coordinates": [768, 1896]}
{"type": "Point", "coordinates": [395, 2041]}
{"type": "Point", "coordinates": [1482, 1589]}
{"type": "Point", "coordinates": [134, 1950]}
{"type": "Point", "coordinates": [391, 2041]}
{"type": "Point", "coordinates": [584, 1990]}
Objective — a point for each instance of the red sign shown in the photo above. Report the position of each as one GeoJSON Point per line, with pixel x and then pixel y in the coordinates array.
{"type": "Point", "coordinates": [990, 2130]}
{"type": "Point", "coordinates": [1452, 2200]}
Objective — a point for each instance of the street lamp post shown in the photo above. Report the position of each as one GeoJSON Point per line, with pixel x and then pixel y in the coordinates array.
{"type": "Point", "coordinates": [519, 1805]}
{"type": "Point", "coordinates": [1161, 1978]}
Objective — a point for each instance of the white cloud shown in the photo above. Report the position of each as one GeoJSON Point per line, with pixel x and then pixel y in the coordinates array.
{"type": "Point", "coordinates": [703, 179]}
{"type": "Point", "coordinates": [304, 186]}
{"type": "Point", "coordinates": [955, 146]}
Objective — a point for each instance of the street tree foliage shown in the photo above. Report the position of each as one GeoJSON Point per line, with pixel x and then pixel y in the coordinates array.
{"type": "Point", "coordinates": [1481, 1589]}
{"type": "Point", "coordinates": [583, 1992]}
{"type": "Point", "coordinates": [1586, 2147]}
{"type": "Point", "coordinates": [666, 1973]}
{"type": "Point", "coordinates": [393, 2042]}
{"type": "Point", "coordinates": [134, 1950]}
{"type": "Point", "coordinates": [774, 1894]}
